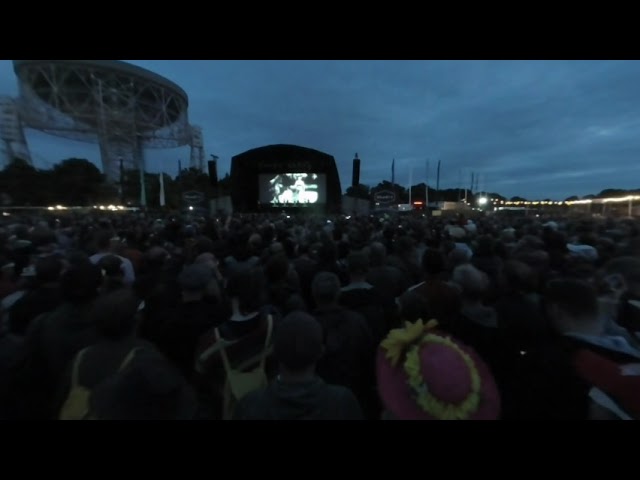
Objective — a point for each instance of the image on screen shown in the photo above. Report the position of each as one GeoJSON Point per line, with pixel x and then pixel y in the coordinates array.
{"type": "Point", "coordinates": [292, 188]}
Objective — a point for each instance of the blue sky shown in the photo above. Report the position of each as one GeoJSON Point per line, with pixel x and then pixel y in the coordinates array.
{"type": "Point", "coordinates": [531, 128]}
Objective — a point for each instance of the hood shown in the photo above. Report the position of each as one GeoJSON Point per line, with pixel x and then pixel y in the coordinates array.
{"type": "Point", "coordinates": [298, 401]}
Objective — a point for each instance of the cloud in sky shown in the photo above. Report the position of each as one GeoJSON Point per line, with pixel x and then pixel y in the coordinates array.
{"type": "Point", "coordinates": [530, 128]}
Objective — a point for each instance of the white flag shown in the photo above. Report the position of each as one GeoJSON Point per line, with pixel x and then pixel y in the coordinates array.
{"type": "Point", "coordinates": [162, 189]}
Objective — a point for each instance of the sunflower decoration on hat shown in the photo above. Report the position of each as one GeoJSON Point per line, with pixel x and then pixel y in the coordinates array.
{"type": "Point", "coordinates": [424, 374]}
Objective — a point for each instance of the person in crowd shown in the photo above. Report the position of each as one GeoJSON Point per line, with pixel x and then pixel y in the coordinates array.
{"type": "Point", "coordinates": [181, 331]}
{"type": "Point", "coordinates": [243, 344]}
{"type": "Point", "coordinates": [348, 342]}
{"type": "Point", "coordinates": [106, 244]}
{"type": "Point", "coordinates": [568, 382]}
{"type": "Point", "coordinates": [112, 269]}
{"type": "Point", "coordinates": [362, 297]}
{"type": "Point", "coordinates": [298, 393]}
{"type": "Point", "coordinates": [442, 298]}
{"type": "Point", "coordinates": [126, 378]}
{"type": "Point", "coordinates": [51, 342]}
{"type": "Point", "coordinates": [43, 296]}
{"type": "Point", "coordinates": [425, 374]}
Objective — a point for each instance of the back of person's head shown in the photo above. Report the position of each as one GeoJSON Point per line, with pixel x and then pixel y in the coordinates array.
{"type": "Point", "coordinates": [377, 254]}
{"type": "Point", "coordinates": [404, 246]}
{"type": "Point", "coordinates": [473, 282]}
{"type": "Point", "coordinates": [80, 283]}
{"type": "Point", "coordinates": [249, 288]}
{"type": "Point", "coordinates": [277, 268]}
{"type": "Point", "coordinates": [103, 240]}
{"type": "Point", "coordinates": [111, 265]}
{"type": "Point", "coordinates": [77, 258]}
{"type": "Point", "coordinates": [195, 278]}
{"type": "Point", "coordinates": [413, 307]}
{"type": "Point", "coordinates": [629, 269]}
{"type": "Point", "coordinates": [48, 269]}
{"type": "Point", "coordinates": [327, 253]}
{"type": "Point", "coordinates": [485, 246]}
{"type": "Point", "coordinates": [115, 314]}
{"type": "Point", "coordinates": [519, 277]}
{"type": "Point", "coordinates": [358, 263]}
{"type": "Point", "coordinates": [298, 342]}
{"type": "Point", "coordinates": [572, 305]}
{"type": "Point", "coordinates": [433, 262]}
{"type": "Point", "coordinates": [325, 288]}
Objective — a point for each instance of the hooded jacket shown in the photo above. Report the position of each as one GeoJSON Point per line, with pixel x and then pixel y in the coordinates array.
{"type": "Point", "coordinates": [311, 400]}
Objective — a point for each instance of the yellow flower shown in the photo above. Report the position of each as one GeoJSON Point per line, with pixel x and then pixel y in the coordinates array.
{"type": "Point", "coordinates": [400, 338]}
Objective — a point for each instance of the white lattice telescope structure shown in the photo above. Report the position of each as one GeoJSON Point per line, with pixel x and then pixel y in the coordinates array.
{"type": "Point", "coordinates": [13, 144]}
{"type": "Point", "coordinates": [197, 149]}
{"type": "Point", "coordinates": [123, 108]}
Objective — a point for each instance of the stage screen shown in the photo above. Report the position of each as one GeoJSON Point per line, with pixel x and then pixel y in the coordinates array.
{"type": "Point", "coordinates": [292, 188]}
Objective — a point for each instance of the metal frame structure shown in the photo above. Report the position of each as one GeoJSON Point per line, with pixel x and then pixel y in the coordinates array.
{"type": "Point", "coordinates": [12, 140]}
{"type": "Point", "coordinates": [123, 108]}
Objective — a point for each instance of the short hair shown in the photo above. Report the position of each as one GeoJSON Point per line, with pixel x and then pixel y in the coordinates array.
{"type": "Point", "coordinates": [103, 239]}
{"type": "Point", "coordinates": [377, 254]}
{"type": "Point", "coordinates": [249, 287]}
{"type": "Point", "coordinates": [474, 282]}
{"type": "Point", "coordinates": [112, 265]}
{"type": "Point", "coordinates": [433, 261]}
{"type": "Point", "coordinates": [574, 297]}
{"type": "Point", "coordinates": [277, 268]}
{"type": "Point", "coordinates": [358, 263]}
{"type": "Point", "coordinates": [325, 288]}
{"type": "Point", "coordinates": [413, 307]}
{"type": "Point", "coordinates": [115, 314]}
{"type": "Point", "coordinates": [48, 269]}
{"type": "Point", "coordinates": [81, 283]}
{"type": "Point", "coordinates": [298, 343]}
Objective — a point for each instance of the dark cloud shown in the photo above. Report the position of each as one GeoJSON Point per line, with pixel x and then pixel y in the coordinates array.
{"type": "Point", "coordinates": [530, 128]}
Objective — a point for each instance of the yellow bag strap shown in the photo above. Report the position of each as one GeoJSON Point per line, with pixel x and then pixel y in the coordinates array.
{"type": "Point", "coordinates": [128, 359]}
{"type": "Point", "coordinates": [267, 341]}
{"type": "Point", "coordinates": [263, 356]}
{"type": "Point", "coordinates": [76, 368]}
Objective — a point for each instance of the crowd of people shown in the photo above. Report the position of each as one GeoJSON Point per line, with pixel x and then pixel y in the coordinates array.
{"type": "Point", "coordinates": [283, 317]}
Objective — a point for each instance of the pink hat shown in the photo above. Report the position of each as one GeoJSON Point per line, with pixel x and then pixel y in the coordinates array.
{"type": "Point", "coordinates": [424, 374]}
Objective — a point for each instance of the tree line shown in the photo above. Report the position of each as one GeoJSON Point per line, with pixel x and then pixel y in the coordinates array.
{"type": "Point", "coordinates": [78, 182]}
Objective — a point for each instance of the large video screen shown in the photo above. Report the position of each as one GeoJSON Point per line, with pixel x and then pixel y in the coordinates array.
{"type": "Point", "coordinates": [292, 188]}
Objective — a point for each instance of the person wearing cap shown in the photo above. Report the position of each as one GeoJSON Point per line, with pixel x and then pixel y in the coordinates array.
{"type": "Point", "coordinates": [425, 374]}
{"type": "Point", "coordinates": [298, 393]}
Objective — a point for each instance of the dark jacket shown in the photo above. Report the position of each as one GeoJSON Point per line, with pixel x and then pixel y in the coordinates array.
{"type": "Point", "coordinates": [349, 354]}
{"type": "Point", "coordinates": [554, 390]}
{"type": "Point", "coordinates": [313, 400]}
{"type": "Point", "coordinates": [52, 342]}
{"type": "Point", "coordinates": [368, 302]}
{"type": "Point", "coordinates": [32, 304]}
{"type": "Point", "coordinates": [147, 388]}
{"type": "Point", "coordinates": [180, 335]}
